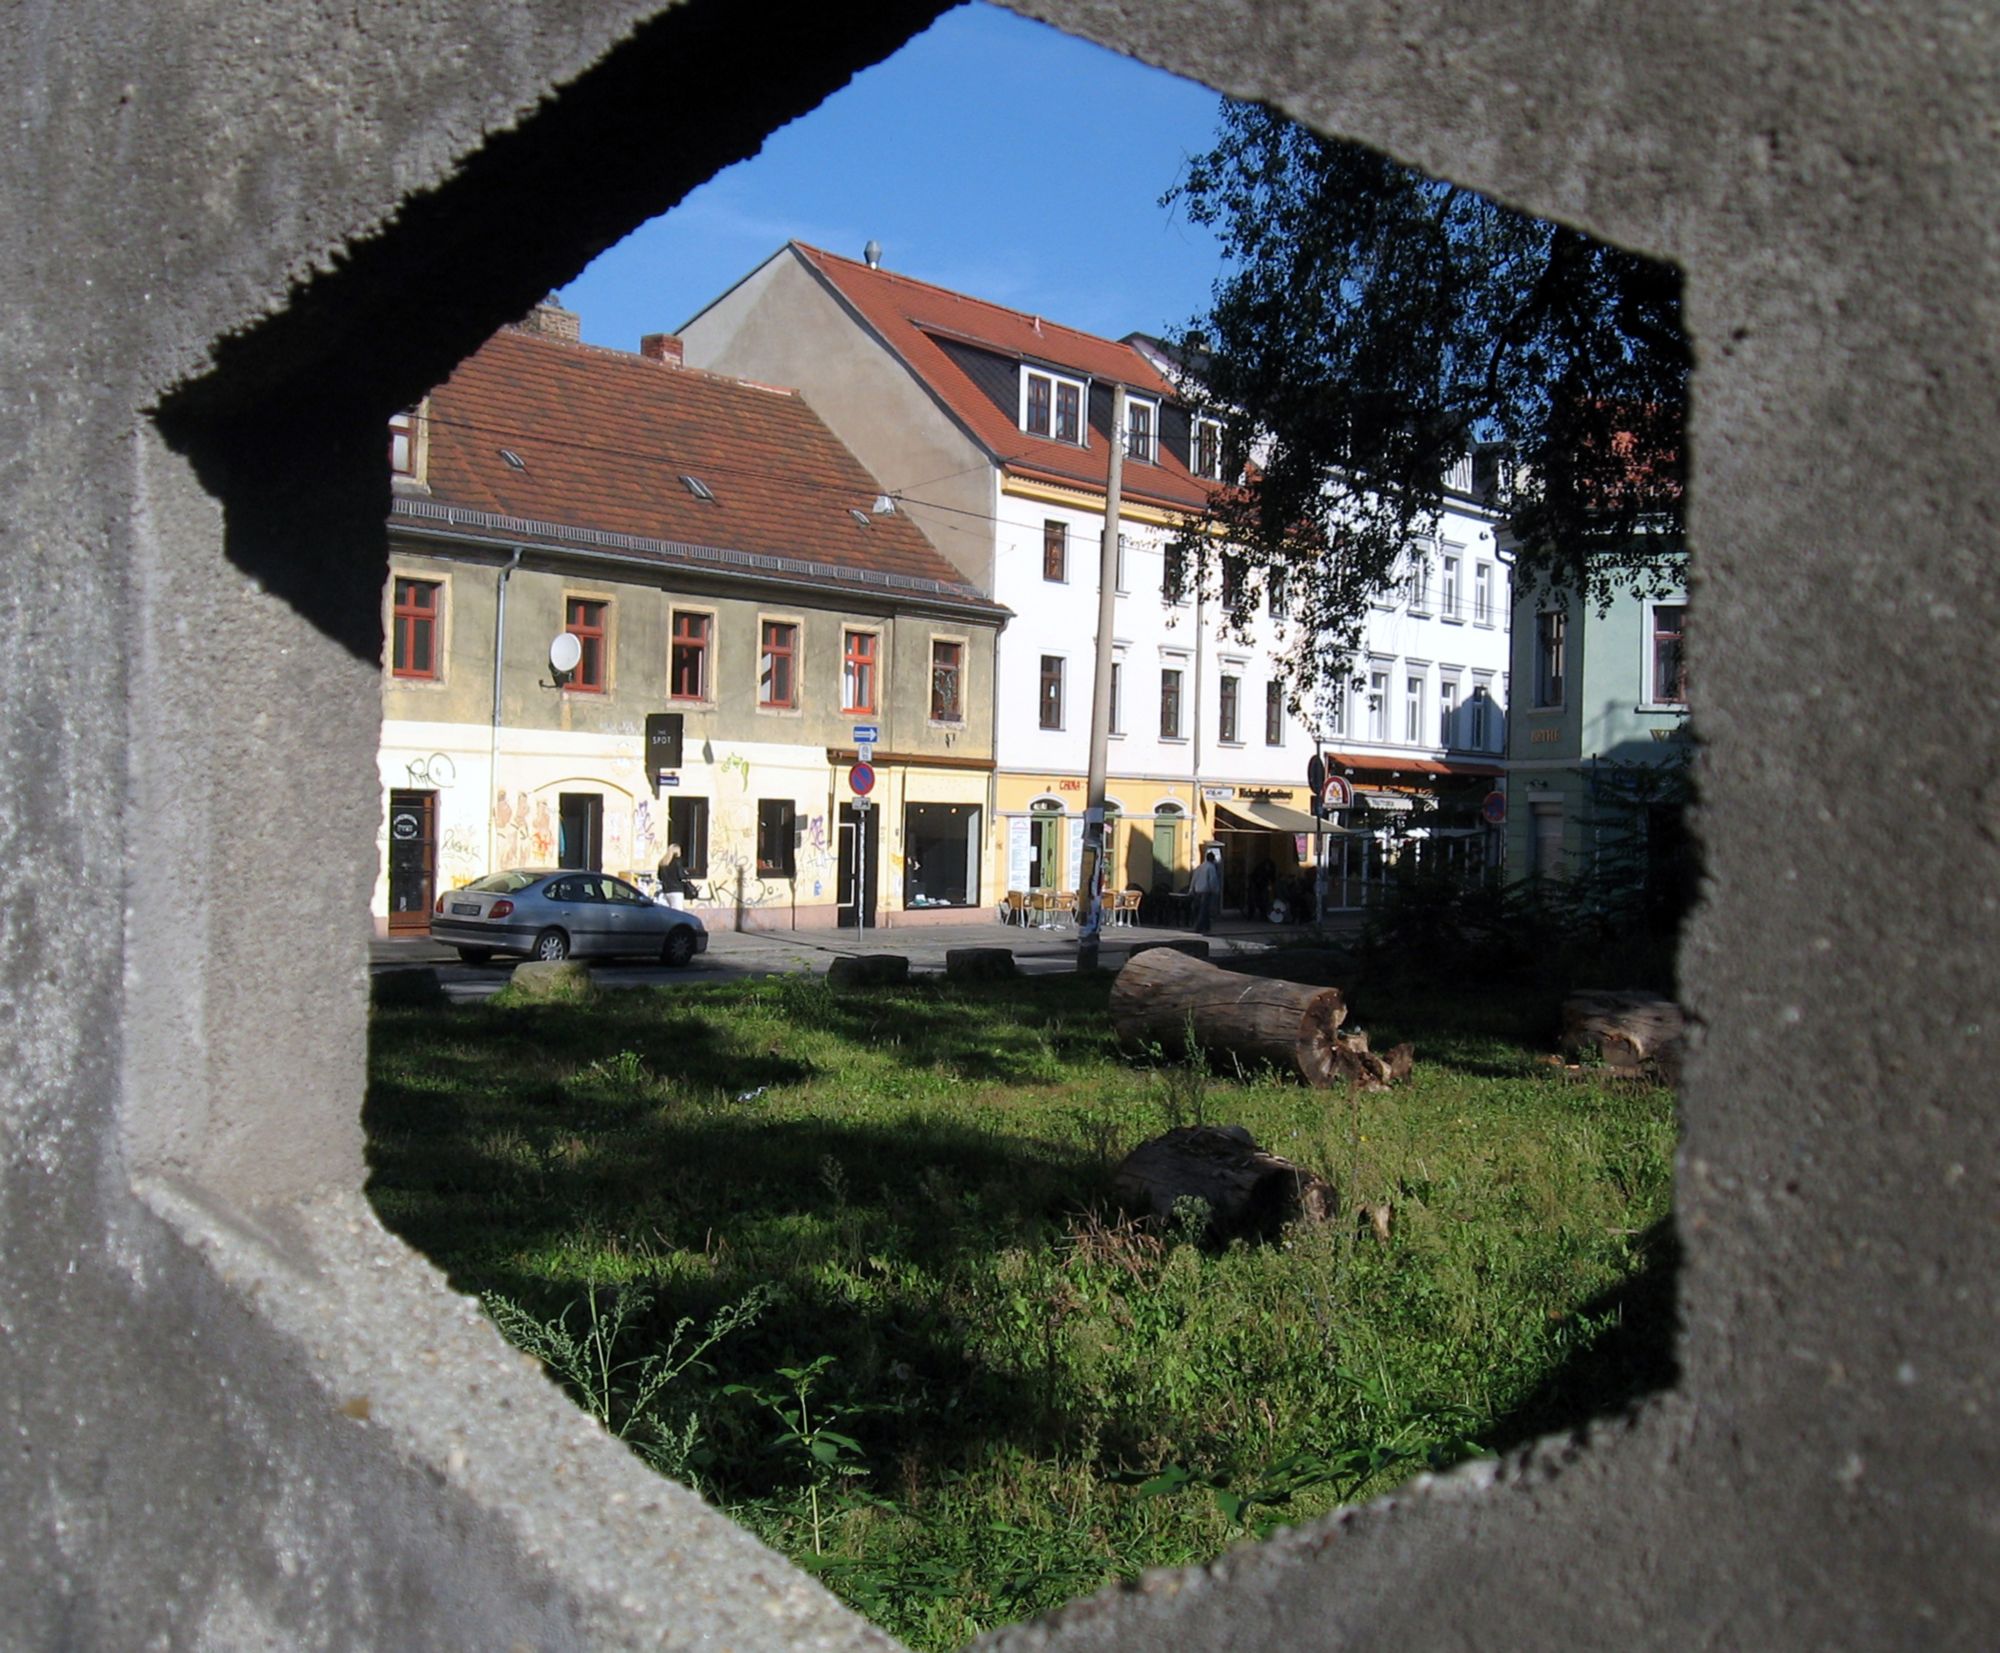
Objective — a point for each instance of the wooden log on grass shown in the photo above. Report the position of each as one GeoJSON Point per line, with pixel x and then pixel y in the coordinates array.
{"type": "Point", "coordinates": [1160, 995]}
{"type": "Point", "coordinates": [1247, 1192]}
{"type": "Point", "coordinates": [1630, 1032]}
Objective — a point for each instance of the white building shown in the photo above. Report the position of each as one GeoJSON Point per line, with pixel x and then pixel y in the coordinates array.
{"type": "Point", "coordinates": [992, 430]}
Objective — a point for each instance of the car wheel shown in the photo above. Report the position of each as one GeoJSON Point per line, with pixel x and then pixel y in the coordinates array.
{"type": "Point", "coordinates": [475, 955]}
{"type": "Point", "coordinates": [679, 950]}
{"type": "Point", "coordinates": [551, 946]}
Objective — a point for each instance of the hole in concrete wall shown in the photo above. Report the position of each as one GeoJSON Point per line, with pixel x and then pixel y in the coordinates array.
{"type": "Point", "coordinates": [1091, 1370]}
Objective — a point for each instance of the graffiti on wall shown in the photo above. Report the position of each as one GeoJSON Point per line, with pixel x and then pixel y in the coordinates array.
{"type": "Point", "coordinates": [437, 770]}
{"type": "Point", "coordinates": [738, 762]}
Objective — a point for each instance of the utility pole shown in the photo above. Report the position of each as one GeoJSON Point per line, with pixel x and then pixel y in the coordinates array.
{"type": "Point", "coordinates": [1091, 892]}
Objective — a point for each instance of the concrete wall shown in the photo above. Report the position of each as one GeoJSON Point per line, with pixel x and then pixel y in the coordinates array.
{"type": "Point", "coordinates": [237, 238]}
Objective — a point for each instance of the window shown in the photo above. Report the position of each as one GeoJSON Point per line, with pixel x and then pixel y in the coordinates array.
{"type": "Point", "coordinates": [1207, 454]}
{"type": "Point", "coordinates": [1550, 627]}
{"type": "Point", "coordinates": [1232, 581]}
{"type": "Point", "coordinates": [777, 837]}
{"type": "Point", "coordinates": [1055, 550]}
{"type": "Point", "coordinates": [1481, 734]}
{"type": "Point", "coordinates": [1378, 705]}
{"type": "Point", "coordinates": [1274, 713]}
{"type": "Point", "coordinates": [857, 671]}
{"type": "Point", "coordinates": [1051, 700]}
{"type": "Point", "coordinates": [1277, 593]}
{"type": "Point", "coordinates": [1482, 594]}
{"type": "Point", "coordinates": [687, 826]}
{"type": "Point", "coordinates": [778, 666]}
{"type": "Point", "coordinates": [1336, 709]}
{"type": "Point", "coordinates": [1420, 585]}
{"type": "Point", "coordinates": [1173, 576]}
{"type": "Point", "coordinates": [1413, 709]}
{"type": "Point", "coordinates": [1120, 586]}
{"type": "Point", "coordinates": [1170, 704]}
{"type": "Point", "coordinates": [1667, 674]}
{"type": "Point", "coordinates": [403, 443]}
{"type": "Point", "coordinates": [1232, 693]}
{"type": "Point", "coordinates": [941, 844]}
{"type": "Point", "coordinates": [687, 657]}
{"type": "Point", "coordinates": [1448, 594]}
{"type": "Point", "coordinates": [1142, 420]}
{"type": "Point", "coordinates": [947, 687]}
{"type": "Point", "coordinates": [1447, 711]}
{"type": "Point", "coordinates": [413, 644]}
{"type": "Point", "coordinates": [1051, 406]}
{"type": "Point", "coordinates": [585, 619]}
{"type": "Point", "coordinates": [1117, 697]}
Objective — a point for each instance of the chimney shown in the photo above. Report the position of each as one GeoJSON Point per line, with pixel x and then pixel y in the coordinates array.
{"type": "Point", "coordinates": [661, 347]}
{"type": "Point", "coordinates": [552, 321]}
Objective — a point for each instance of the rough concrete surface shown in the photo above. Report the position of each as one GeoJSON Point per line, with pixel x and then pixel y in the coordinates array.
{"type": "Point", "coordinates": [237, 236]}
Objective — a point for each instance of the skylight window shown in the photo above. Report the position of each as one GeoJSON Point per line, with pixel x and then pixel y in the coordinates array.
{"type": "Point", "coordinates": [513, 459]}
{"type": "Point", "coordinates": [859, 516]}
{"type": "Point", "coordinates": [698, 488]}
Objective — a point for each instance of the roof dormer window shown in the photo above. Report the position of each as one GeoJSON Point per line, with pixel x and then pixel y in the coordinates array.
{"type": "Point", "coordinates": [1142, 430]}
{"type": "Point", "coordinates": [1052, 406]}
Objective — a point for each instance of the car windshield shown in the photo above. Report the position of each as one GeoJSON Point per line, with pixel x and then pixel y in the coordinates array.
{"type": "Point", "coordinates": [504, 883]}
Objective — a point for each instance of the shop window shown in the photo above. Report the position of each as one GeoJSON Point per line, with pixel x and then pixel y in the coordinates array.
{"type": "Point", "coordinates": [941, 844]}
{"type": "Point", "coordinates": [777, 838]}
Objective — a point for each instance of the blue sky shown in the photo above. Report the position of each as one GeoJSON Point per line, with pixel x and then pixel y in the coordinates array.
{"type": "Point", "coordinates": [991, 154]}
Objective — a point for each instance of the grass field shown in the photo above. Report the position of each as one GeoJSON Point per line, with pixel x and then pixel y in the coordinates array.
{"type": "Point", "coordinates": [845, 1263]}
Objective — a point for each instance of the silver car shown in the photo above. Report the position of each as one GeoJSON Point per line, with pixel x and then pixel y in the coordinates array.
{"type": "Point", "coordinates": [563, 914]}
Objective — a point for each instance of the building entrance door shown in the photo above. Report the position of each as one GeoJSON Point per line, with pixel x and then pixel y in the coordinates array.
{"type": "Point", "coordinates": [856, 873]}
{"type": "Point", "coordinates": [412, 861]}
{"type": "Point", "coordinates": [580, 822]}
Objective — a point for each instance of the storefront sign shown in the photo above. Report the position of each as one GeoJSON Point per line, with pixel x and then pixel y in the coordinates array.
{"type": "Point", "coordinates": [1221, 794]}
{"type": "Point", "coordinates": [1337, 792]}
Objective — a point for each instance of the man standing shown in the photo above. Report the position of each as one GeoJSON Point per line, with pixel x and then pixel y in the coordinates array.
{"type": "Point", "coordinates": [1206, 886]}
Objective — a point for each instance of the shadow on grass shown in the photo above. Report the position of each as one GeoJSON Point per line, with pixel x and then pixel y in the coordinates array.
{"type": "Point", "coordinates": [1633, 1357]}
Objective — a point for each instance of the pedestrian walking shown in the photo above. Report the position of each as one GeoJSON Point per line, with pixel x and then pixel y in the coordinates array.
{"type": "Point", "coordinates": [1206, 886]}
{"type": "Point", "coordinates": [675, 885]}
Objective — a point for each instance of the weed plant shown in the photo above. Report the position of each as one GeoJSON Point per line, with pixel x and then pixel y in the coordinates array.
{"type": "Point", "coordinates": [847, 1262]}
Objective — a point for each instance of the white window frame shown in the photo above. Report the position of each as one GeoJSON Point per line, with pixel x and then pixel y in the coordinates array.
{"type": "Point", "coordinates": [1482, 595]}
{"type": "Point", "coordinates": [1419, 583]}
{"type": "Point", "coordinates": [1415, 685]}
{"type": "Point", "coordinates": [1274, 694]}
{"type": "Point", "coordinates": [1482, 734]}
{"type": "Point", "coordinates": [1147, 451]}
{"type": "Point", "coordinates": [1230, 671]}
{"type": "Point", "coordinates": [1177, 663]}
{"type": "Point", "coordinates": [1451, 563]}
{"type": "Point", "coordinates": [1378, 702]}
{"type": "Point", "coordinates": [1200, 424]}
{"type": "Point", "coordinates": [1449, 683]}
{"type": "Point", "coordinates": [1124, 546]}
{"type": "Point", "coordinates": [1648, 661]}
{"type": "Point", "coordinates": [1055, 381]}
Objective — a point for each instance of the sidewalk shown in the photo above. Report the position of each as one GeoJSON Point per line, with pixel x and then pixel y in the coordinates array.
{"type": "Point", "coordinates": [757, 952]}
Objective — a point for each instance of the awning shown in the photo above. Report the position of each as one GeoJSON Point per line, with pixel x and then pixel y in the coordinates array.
{"type": "Point", "coordinates": [1413, 768]}
{"type": "Point", "coordinates": [1256, 815]}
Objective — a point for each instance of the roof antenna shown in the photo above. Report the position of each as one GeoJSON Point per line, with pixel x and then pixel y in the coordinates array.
{"type": "Point", "coordinates": [873, 253]}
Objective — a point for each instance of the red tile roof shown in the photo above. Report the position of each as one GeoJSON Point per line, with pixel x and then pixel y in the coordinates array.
{"type": "Point", "coordinates": [912, 317]}
{"type": "Point", "coordinates": [605, 437]}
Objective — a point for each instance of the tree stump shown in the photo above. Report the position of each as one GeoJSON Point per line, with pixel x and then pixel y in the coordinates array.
{"type": "Point", "coordinates": [979, 964]}
{"type": "Point", "coordinates": [868, 970]}
{"type": "Point", "coordinates": [1632, 1033]}
{"type": "Point", "coordinates": [1250, 1194]}
{"type": "Point", "coordinates": [1355, 1064]}
{"type": "Point", "coordinates": [1159, 994]}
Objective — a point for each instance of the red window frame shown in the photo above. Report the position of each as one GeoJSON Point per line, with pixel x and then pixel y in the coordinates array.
{"type": "Point", "coordinates": [687, 655]}
{"type": "Point", "coordinates": [777, 666]}
{"type": "Point", "coordinates": [584, 619]}
{"type": "Point", "coordinates": [857, 672]}
{"type": "Point", "coordinates": [413, 649]}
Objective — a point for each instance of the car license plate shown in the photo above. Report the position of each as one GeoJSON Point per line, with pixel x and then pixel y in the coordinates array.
{"type": "Point", "coordinates": [469, 908]}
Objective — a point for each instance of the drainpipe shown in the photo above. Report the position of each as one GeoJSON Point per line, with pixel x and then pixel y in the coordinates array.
{"type": "Point", "coordinates": [493, 749]}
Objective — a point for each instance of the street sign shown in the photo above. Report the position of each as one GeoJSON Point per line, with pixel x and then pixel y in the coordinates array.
{"type": "Point", "coordinates": [861, 778]}
{"type": "Point", "coordinates": [865, 752]}
{"type": "Point", "coordinates": [667, 780]}
{"type": "Point", "coordinates": [1316, 772]}
{"type": "Point", "coordinates": [866, 734]}
{"type": "Point", "coordinates": [862, 806]}
{"type": "Point", "coordinates": [1337, 792]}
{"type": "Point", "coordinates": [1493, 808]}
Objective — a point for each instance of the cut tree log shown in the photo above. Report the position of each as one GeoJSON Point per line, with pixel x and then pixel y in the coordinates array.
{"type": "Point", "coordinates": [1250, 1194]}
{"type": "Point", "coordinates": [1159, 995]}
{"type": "Point", "coordinates": [1355, 1064]}
{"type": "Point", "coordinates": [1631, 1032]}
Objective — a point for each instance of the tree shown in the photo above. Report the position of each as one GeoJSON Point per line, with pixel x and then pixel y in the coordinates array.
{"type": "Point", "coordinates": [1375, 327]}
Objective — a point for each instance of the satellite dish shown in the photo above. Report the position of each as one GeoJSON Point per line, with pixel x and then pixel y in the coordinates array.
{"type": "Point", "coordinates": [565, 652]}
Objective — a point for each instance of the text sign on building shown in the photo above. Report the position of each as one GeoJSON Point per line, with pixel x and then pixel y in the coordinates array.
{"type": "Point", "coordinates": [1336, 793]}
{"type": "Point", "coordinates": [861, 778]}
{"type": "Point", "coordinates": [663, 746]}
